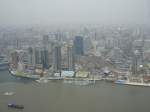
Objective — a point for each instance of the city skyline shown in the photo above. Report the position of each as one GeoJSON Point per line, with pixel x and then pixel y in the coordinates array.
{"type": "Point", "coordinates": [75, 55]}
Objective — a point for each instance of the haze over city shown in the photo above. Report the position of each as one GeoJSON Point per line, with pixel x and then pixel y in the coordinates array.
{"type": "Point", "coordinates": [75, 55]}
{"type": "Point", "coordinates": [27, 12]}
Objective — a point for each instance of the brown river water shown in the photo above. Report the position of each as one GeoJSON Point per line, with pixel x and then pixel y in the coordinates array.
{"type": "Point", "coordinates": [56, 96]}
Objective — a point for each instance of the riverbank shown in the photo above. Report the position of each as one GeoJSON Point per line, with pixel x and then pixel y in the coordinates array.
{"type": "Point", "coordinates": [78, 81]}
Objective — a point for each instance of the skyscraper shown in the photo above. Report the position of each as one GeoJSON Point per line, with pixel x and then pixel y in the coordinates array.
{"type": "Point", "coordinates": [31, 58]}
{"type": "Point", "coordinates": [87, 45]}
{"type": "Point", "coordinates": [134, 65]}
{"type": "Point", "coordinates": [137, 60]}
{"type": "Point", "coordinates": [38, 59]}
{"type": "Point", "coordinates": [57, 58]}
{"type": "Point", "coordinates": [78, 45]}
{"type": "Point", "coordinates": [45, 58]}
{"type": "Point", "coordinates": [18, 43]}
{"type": "Point", "coordinates": [14, 59]}
{"type": "Point", "coordinates": [70, 58]}
{"type": "Point", "coordinates": [46, 41]}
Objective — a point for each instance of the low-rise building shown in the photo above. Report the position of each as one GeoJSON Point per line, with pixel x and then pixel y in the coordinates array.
{"type": "Point", "coordinates": [67, 74]}
{"type": "Point", "coordinates": [82, 74]}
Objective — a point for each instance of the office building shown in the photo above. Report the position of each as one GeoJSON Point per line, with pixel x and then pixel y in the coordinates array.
{"type": "Point", "coordinates": [57, 59]}
{"type": "Point", "coordinates": [38, 58]}
{"type": "Point", "coordinates": [31, 56]}
{"type": "Point", "coordinates": [14, 59]}
{"type": "Point", "coordinates": [45, 58]}
{"type": "Point", "coordinates": [87, 45]}
{"type": "Point", "coordinates": [46, 41]}
{"type": "Point", "coordinates": [78, 45]}
{"type": "Point", "coordinates": [70, 58]}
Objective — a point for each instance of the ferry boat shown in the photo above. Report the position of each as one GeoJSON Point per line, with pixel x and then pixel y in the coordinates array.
{"type": "Point", "coordinates": [11, 105]}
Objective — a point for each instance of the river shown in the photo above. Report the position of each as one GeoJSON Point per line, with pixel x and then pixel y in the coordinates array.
{"type": "Point", "coordinates": [59, 97]}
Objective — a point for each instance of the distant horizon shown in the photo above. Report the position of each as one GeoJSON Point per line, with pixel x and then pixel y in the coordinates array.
{"type": "Point", "coordinates": [72, 24]}
{"type": "Point", "coordinates": [43, 12]}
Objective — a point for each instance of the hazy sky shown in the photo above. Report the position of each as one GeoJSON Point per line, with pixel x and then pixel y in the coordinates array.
{"type": "Point", "coordinates": [74, 11]}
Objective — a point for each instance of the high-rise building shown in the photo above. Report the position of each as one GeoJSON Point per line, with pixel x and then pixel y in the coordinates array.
{"type": "Point", "coordinates": [134, 65]}
{"type": "Point", "coordinates": [45, 58]}
{"type": "Point", "coordinates": [31, 58]}
{"type": "Point", "coordinates": [25, 57]}
{"type": "Point", "coordinates": [78, 45]}
{"type": "Point", "coordinates": [46, 41]}
{"type": "Point", "coordinates": [87, 45]}
{"type": "Point", "coordinates": [38, 58]}
{"type": "Point", "coordinates": [14, 59]}
{"type": "Point", "coordinates": [70, 58]}
{"type": "Point", "coordinates": [57, 58]}
{"type": "Point", "coordinates": [137, 59]}
{"type": "Point", "coordinates": [18, 43]}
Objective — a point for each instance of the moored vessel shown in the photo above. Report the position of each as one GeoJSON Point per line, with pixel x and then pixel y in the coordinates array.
{"type": "Point", "coordinates": [24, 75]}
{"type": "Point", "coordinates": [126, 82]}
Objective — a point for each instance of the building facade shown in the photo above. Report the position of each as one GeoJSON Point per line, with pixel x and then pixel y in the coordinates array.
{"type": "Point", "coordinates": [70, 58]}
{"type": "Point", "coordinates": [78, 46]}
{"type": "Point", "coordinates": [57, 58]}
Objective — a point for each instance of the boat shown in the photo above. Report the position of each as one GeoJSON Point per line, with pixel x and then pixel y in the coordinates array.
{"type": "Point", "coordinates": [9, 93]}
{"type": "Point", "coordinates": [126, 82]}
{"type": "Point", "coordinates": [79, 82]}
{"type": "Point", "coordinates": [55, 78]}
{"type": "Point", "coordinates": [11, 105]}
{"type": "Point", "coordinates": [24, 75]}
{"type": "Point", "coordinates": [138, 84]}
{"type": "Point", "coordinates": [42, 80]}
{"type": "Point", "coordinates": [120, 82]}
